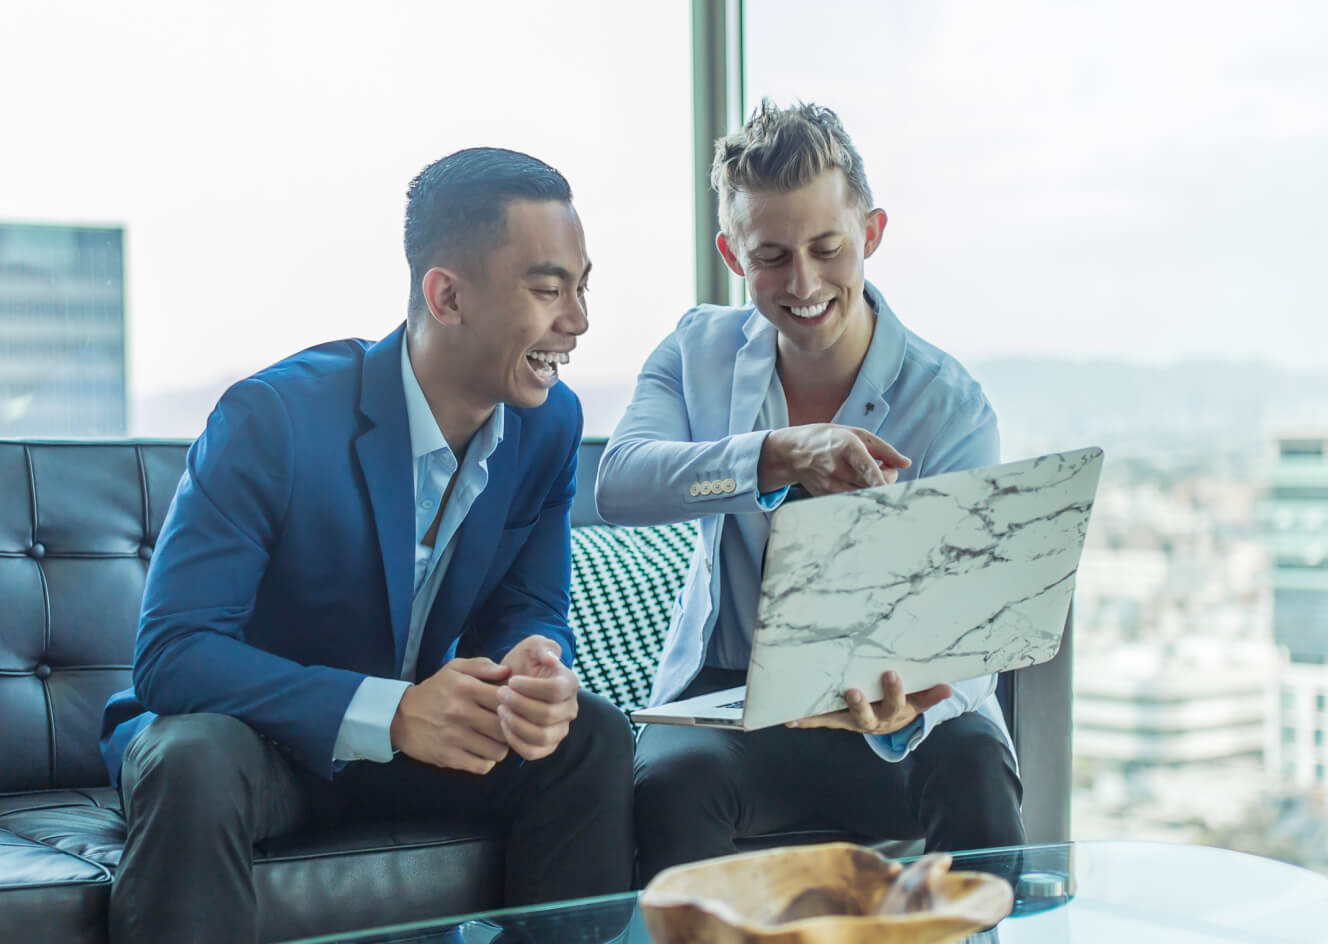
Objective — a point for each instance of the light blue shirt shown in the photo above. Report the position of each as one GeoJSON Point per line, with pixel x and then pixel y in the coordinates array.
{"type": "Point", "coordinates": [691, 425]}
{"type": "Point", "coordinates": [742, 556]}
{"type": "Point", "coordinates": [365, 732]}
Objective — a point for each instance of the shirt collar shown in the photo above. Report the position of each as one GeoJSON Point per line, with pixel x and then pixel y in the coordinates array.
{"type": "Point", "coordinates": [885, 354]}
{"type": "Point", "coordinates": [425, 436]}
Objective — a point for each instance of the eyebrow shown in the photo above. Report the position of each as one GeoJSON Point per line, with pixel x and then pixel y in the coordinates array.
{"type": "Point", "coordinates": [815, 239]}
{"type": "Point", "coordinates": [556, 271]}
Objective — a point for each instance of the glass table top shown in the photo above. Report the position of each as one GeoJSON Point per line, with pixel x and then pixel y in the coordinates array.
{"type": "Point", "coordinates": [1066, 893]}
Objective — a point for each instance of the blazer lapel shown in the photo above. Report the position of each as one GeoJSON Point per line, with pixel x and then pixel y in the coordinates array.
{"type": "Point", "coordinates": [752, 367]}
{"type": "Point", "coordinates": [385, 459]}
{"type": "Point", "coordinates": [867, 405]}
{"type": "Point", "coordinates": [473, 552]}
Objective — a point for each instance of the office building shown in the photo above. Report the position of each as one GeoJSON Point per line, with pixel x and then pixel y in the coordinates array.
{"type": "Point", "coordinates": [1295, 519]}
{"type": "Point", "coordinates": [62, 331]}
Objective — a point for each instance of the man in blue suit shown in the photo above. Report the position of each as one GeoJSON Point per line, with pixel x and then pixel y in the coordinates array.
{"type": "Point", "coordinates": [357, 607]}
{"type": "Point", "coordinates": [816, 385]}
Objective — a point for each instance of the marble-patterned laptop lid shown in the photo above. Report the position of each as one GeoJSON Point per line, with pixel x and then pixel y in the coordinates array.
{"type": "Point", "coordinates": [941, 579]}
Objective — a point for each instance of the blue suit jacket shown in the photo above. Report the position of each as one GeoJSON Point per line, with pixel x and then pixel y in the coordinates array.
{"type": "Point", "coordinates": [284, 570]}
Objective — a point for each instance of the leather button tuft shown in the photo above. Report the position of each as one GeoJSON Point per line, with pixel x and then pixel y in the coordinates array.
{"type": "Point", "coordinates": [38, 550]}
{"type": "Point", "coordinates": [43, 671]}
{"type": "Point", "coordinates": [145, 551]}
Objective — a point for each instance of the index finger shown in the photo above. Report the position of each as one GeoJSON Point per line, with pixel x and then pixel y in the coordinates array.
{"type": "Point", "coordinates": [882, 451]}
{"type": "Point", "coordinates": [557, 687]}
{"type": "Point", "coordinates": [864, 715]}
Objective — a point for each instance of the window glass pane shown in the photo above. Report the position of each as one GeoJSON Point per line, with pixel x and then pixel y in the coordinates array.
{"type": "Point", "coordinates": [255, 156]}
{"type": "Point", "coordinates": [1114, 215]}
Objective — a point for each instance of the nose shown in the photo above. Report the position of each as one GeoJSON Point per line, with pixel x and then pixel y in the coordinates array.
{"type": "Point", "coordinates": [803, 279]}
{"type": "Point", "coordinates": [575, 319]}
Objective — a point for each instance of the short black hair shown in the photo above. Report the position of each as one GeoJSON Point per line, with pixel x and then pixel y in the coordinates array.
{"type": "Point", "coordinates": [457, 206]}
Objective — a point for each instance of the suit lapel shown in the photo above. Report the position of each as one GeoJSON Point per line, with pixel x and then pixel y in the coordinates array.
{"type": "Point", "coordinates": [385, 459]}
{"type": "Point", "coordinates": [752, 367]}
{"type": "Point", "coordinates": [473, 551]}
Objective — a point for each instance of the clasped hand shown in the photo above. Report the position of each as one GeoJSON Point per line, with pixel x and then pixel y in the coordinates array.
{"type": "Point", "coordinates": [894, 711]}
{"type": "Point", "coordinates": [471, 712]}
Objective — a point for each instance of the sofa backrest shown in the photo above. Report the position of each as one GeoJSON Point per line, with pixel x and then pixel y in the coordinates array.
{"type": "Point", "coordinates": [78, 522]}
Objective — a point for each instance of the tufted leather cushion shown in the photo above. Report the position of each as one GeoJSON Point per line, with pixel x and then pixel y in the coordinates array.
{"type": "Point", "coordinates": [77, 526]}
{"type": "Point", "coordinates": [59, 849]}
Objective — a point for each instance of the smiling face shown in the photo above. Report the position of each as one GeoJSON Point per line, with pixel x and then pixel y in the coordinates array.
{"type": "Point", "coordinates": [520, 310]}
{"type": "Point", "coordinates": [802, 255]}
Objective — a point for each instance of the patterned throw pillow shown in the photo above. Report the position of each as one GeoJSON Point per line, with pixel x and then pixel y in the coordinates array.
{"type": "Point", "coordinates": [624, 581]}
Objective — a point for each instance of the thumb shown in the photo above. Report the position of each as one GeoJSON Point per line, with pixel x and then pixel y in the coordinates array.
{"type": "Point", "coordinates": [928, 697]}
{"type": "Point", "coordinates": [481, 668]}
{"type": "Point", "coordinates": [546, 661]}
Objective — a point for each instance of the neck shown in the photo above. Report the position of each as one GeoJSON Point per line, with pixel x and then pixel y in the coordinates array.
{"type": "Point", "coordinates": [457, 415]}
{"type": "Point", "coordinates": [817, 383]}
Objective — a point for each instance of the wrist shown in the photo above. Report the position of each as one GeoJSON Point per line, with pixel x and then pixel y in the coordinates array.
{"type": "Point", "coordinates": [772, 469]}
{"type": "Point", "coordinates": [397, 729]}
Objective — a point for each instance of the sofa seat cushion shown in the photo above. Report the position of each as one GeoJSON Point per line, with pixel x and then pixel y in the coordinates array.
{"type": "Point", "coordinates": [59, 849]}
{"type": "Point", "coordinates": [371, 874]}
{"type": "Point", "coordinates": [28, 862]}
{"type": "Point", "coordinates": [50, 895]}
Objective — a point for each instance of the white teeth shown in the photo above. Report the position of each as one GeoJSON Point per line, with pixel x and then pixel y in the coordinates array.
{"type": "Point", "coordinates": [549, 357]}
{"type": "Point", "coordinates": [810, 311]}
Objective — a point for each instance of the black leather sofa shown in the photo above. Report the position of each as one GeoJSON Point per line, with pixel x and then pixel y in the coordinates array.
{"type": "Point", "coordinates": [78, 522]}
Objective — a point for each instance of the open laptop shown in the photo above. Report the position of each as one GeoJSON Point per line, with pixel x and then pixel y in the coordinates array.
{"type": "Point", "coordinates": [940, 579]}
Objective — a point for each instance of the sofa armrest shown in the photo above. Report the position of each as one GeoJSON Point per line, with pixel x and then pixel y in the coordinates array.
{"type": "Point", "coordinates": [1038, 709]}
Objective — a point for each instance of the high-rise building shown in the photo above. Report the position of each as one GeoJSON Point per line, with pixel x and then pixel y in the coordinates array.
{"type": "Point", "coordinates": [1154, 705]}
{"type": "Point", "coordinates": [1295, 518]}
{"type": "Point", "coordinates": [62, 331]}
{"type": "Point", "coordinates": [1298, 509]}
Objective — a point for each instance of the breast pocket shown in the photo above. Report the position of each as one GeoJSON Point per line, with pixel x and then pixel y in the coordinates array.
{"type": "Point", "coordinates": [510, 543]}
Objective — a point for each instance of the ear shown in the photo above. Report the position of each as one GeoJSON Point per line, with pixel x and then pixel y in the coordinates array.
{"type": "Point", "coordinates": [875, 230]}
{"type": "Point", "coordinates": [440, 295]}
{"type": "Point", "coordinates": [731, 260]}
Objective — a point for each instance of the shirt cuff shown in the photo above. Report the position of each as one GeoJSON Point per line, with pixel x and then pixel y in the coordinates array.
{"type": "Point", "coordinates": [772, 500]}
{"type": "Point", "coordinates": [896, 745]}
{"type": "Point", "coordinates": [366, 728]}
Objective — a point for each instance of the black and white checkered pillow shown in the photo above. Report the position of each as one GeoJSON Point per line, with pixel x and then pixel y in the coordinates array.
{"type": "Point", "coordinates": [624, 581]}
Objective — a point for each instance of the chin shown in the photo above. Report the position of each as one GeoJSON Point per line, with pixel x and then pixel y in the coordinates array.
{"type": "Point", "coordinates": [528, 398]}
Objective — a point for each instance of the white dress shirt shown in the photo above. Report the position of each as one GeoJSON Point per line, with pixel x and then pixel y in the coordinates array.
{"type": "Point", "coordinates": [365, 732]}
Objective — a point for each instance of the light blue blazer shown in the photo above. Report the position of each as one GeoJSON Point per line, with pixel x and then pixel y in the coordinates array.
{"type": "Point", "coordinates": [691, 422]}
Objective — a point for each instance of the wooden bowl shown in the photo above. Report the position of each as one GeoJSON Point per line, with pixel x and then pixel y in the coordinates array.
{"type": "Point", "coordinates": [826, 894]}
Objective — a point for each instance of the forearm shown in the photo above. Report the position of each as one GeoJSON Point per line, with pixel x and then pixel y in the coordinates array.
{"type": "Point", "coordinates": [297, 706]}
{"type": "Point", "coordinates": [646, 481]}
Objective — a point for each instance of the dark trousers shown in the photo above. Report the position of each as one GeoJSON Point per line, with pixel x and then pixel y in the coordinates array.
{"type": "Point", "coordinates": [199, 790]}
{"type": "Point", "coordinates": [698, 789]}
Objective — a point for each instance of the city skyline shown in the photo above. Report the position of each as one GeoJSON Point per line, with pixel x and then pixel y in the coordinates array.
{"type": "Point", "coordinates": [1058, 183]}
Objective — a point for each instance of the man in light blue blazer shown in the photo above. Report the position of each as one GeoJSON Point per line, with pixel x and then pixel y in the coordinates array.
{"type": "Point", "coordinates": [817, 386]}
{"type": "Point", "coordinates": [357, 607]}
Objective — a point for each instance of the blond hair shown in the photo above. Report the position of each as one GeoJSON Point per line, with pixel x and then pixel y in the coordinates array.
{"type": "Point", "coordinates": [780, 150]}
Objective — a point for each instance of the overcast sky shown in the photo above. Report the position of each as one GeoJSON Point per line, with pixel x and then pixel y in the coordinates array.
{"type": "Point", "coordinates": [1136, 179]}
